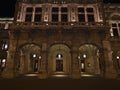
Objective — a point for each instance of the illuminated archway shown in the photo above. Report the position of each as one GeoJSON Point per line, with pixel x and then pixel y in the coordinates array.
{"type": "Point", "coordinates": [89, 59]}
{"type": "Point", "coordinates": [29, 59]}
{"type": "Point", "coordinates": [116, 61]}
{"type": "Point", "coordinates": [59, 59]}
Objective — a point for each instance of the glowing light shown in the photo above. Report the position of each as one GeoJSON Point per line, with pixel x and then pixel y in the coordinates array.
{"type": "Point", "coordinates": [4, 60]}
{"type": "Point", "coordinates": [34, 55]}
{"type": "Point", "coordinates": [47, 24]}
{"type": "Point", "coordinates": [72, 24]}
{"type": "Point", "coordinates": [87, 75]}
{"type": "Point", "coordinates": [84, 55]}
{"type": "Point", "coordinates": [82, 65]}
{"type": "Point", "coordinates": [40, 57]}
{"type": "Point", "coordinates": [60, 75]}
{"type": "Point", "coordinates": [118, 57]}
{"type": "Point", "coordinates": [59, 56]}
{"type": "Point", "coordinates": [6, 46]}
{"type": "Point", "coordinates": [78, 57]}
{"type": "Point", "coordinates": [31, 75]}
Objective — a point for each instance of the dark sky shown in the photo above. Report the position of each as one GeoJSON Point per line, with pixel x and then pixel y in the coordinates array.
{"type": "Point", "coordinates": [7, 7]}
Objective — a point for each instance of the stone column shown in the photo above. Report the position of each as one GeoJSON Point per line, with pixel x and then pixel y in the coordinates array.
{"type": "Point", "coordinates": [75, 65]}
{"type": "Point", "coordinates": [22, 63]}
{"type": "Point", "coordinates": [110, 71]}
{"type": "Point", "coordinates": [9, 70]}
{"type": "Point", "coordinates": [42, 63]}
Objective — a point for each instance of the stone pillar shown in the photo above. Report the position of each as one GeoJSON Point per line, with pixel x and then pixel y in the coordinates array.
{"type": "Point", "coordinates": [22, 63]}
{"type": "Point", "coordinates": [75, 65]}
{"type": "Point", "coordinates": [9, 70]}
{"type": "Point", "coordinates": [110, 71]}
{"type": "Point", "coordinates": [42, 67]}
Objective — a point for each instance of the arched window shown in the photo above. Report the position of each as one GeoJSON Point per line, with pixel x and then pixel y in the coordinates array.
{"type": "Point", "coordinates": [115, 17]}
{"type": "Point", "coordinates": [115, 26]}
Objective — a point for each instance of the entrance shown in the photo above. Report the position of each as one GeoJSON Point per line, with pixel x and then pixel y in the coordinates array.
{"type": "Point", "coordinates": [59, 60]}
{"type": "Point", "coordinates": [59, 65]}
{"type": "Point", "coordinates": [89, 59]}
{"type": "Point", "coordinates": [30, 59]}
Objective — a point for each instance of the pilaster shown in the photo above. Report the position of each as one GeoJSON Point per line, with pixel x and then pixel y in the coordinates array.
{"type": "Point", "coordinates": [75, 65]}
{"type": "Point", "coordinates": [9, 70]}
{"type": "Point", "coordinates": [110, 71]}
{"type": "Point", "coordinates": [42, 68]}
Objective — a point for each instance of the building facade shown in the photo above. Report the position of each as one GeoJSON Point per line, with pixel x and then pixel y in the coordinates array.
{"type": "Point", "coordinates": [69, 38]}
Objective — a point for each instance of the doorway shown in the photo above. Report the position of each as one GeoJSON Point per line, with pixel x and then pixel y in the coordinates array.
{"type": "Point", "coordinates": [59, 65]}
{"type": "Point", "coordinates": [89, 59]}
{"type": "Point", "coordinates": [59, 59]}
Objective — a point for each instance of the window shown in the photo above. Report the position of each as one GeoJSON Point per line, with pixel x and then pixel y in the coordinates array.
{"type": "Point", "coordinates": [29, 10]}
{"type": "Point", "coordinates": [38, 14]}
{"type": "Point", "coordinates": [55, 9]}
{"type": "Point", "coordinates": [89, 10]}
{"type": "Point", "coordinates": [85, 14]}
{"type": "Point", "coordinates": [59, 14]}
{"type": "Point", "coordinates": [64, 15]}
{"type": "Point", "coordinates": [90, 14]}
{"type": "Point", "coordinates": [90, 18]}
{"type": "Point", "coordinates": [33, 15]}
{"type": "Point", "coordinates": [55, 16]}
{"type": "Point", "coordinates": [115, 29]}
{"type": "Point", "coordinates": [28, 17]}
{"type": "Point", "coordinates": [81, 14]}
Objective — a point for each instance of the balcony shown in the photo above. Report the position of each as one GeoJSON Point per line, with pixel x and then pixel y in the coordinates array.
{"type": "Point", "coordinates": [51, 25]}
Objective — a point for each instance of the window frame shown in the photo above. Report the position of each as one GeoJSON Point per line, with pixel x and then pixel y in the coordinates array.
{"type": "Point", "coordinates": [117, 27]}
{"type": "Point", "coordinates": [86, 13]}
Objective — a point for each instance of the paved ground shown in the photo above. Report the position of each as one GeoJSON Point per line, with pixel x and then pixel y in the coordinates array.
{"type": "Point", "coordinates": [30, 83]}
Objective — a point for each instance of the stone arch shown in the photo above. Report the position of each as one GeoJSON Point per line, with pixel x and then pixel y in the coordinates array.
{"type": "Point", "coordinates": [54, 61]}
{"type": "Point", "coordinates": [114, 16]}
{"type": "Point", "coordinates": [89, 56]}
{"type": "Point", "coordinates": [116, 61]}
{"type": "Point", "coordinates": [30, 56]}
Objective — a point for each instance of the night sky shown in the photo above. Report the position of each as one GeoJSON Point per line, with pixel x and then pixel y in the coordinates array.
{"type": "Point", "coordinates": [7, 7]}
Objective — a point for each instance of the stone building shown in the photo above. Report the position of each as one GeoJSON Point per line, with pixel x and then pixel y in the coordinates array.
{"type": "Point", "coordinates": [69, 38]}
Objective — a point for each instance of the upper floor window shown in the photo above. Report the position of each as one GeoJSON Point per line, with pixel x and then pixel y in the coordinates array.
{"type": "Point", "coordinates": [38, 14]}
{"type": "Point", "coordinates": [59, 14]}
{"type": "Point", "coordinates": [33, 14]}
{"type": "Point", "coordinates": [55, 14]}
{"type": "Point", "coordinates": [29, 13]}
{"type": "Point", "coordinates": [86, 14]}
{"type": "Point", "coordinates": [115, 29]}
{"type": "Point", "coordinates": [64, 15]}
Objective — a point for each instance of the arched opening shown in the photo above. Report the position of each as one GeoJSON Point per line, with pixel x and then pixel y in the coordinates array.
{"type": "Point", "coordinates": [30, 59]}
{"type": "Point", "coordinates": [59, 59]}
{"type": "Point", "coordinates": [89, 59]}
{"type": "Point", "coordinates": [115, 17]}
{"type": "Point", "coordinates": [117, 62]}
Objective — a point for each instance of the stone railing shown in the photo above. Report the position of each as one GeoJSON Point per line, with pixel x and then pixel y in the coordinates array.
{"type": "Point", "coordinates": [57, 24]}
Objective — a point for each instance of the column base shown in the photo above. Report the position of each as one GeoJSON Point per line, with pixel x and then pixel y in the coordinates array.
{"type": "Point", "coordinates": [42, 75]}
{"type": "Point", "coordinates": [8, 74]}
{"type": "Point", "coordinates": [75, 75]}
{"type": "Point", "coordinates": [111, 74]}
